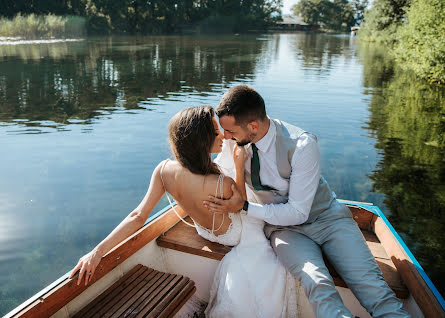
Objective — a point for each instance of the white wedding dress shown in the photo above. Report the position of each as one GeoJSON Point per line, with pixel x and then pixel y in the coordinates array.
{"type": "Point", "coordinates": [249, 281]}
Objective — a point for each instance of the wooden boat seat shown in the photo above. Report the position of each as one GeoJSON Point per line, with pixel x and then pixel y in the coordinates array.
{"type": "Point", "coordinates": [141, 292]}
{"type": "Point", "coordinates": [184, 238]}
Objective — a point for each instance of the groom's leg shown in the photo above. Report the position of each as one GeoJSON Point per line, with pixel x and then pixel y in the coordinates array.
{"type": "Point", "coordinates": [349, 254]}
{"type": "Point", "coordinates": [303, 258]}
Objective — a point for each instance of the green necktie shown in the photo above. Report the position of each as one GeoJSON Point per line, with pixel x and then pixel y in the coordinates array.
{"type": "Point", "coordinates": [255, 171]}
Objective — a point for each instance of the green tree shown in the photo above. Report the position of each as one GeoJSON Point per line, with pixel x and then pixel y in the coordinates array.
{"type": "Point", "coordinates": [382, 20]}
{"type": "Point", "coordinates": [337, 15]}
{"type": "Point", "coordinates": [163, 16]}
{"type": "Point", "coordinates": [359, 7]}
{"type": "Point", "coordinates": [421, 44]}
{"type": "Point", "coordinates": [311, 10]}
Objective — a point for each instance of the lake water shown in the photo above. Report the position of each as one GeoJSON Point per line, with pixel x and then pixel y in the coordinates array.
{"type": "Point", "coordinates": [83, 124]}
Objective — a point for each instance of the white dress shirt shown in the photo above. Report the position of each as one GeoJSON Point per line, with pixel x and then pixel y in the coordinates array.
{"type": "Point", "coordinates": [300, 188]}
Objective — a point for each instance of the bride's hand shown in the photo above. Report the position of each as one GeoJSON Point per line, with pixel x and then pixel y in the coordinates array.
{"type": "Point", "coordinates": [239, 157]}
{"type": "Point", "coordinates": [87, 264]}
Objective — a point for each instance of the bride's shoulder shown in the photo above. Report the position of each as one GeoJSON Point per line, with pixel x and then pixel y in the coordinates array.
{"type": "Point", "coordinates": [227, 187]}
{"type": "Point", "coordinates": [168, 168]}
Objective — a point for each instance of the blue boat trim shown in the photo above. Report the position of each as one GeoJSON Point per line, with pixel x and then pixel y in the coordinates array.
{"type": "Point", "coordinates": [376, 210]}
{"type": "Point", "coordinates": [157, 214]}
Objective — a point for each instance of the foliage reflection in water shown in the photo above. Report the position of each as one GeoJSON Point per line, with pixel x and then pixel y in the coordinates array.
{"type": "Point", "coordinates": [407, 118]}
{"type": "Point", "coordinates": [104, 104]}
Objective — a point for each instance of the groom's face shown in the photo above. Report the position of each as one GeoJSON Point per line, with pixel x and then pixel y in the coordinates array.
{"type": "Point", "coordinates": [242, 135]}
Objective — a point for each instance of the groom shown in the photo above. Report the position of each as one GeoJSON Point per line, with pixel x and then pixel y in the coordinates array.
{"type": "Point", "coordinates": [303, 219]}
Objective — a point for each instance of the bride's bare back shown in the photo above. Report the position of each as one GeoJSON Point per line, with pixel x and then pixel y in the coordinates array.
{"type": "Point", "coordinates": [189, 191]}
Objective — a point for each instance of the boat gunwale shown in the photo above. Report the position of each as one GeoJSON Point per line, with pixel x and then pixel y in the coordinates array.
{"type": "Point", "coordinates": [32, 304]}
{"type": "Point", "coordinates": [27, 307]}
{"type": "Point", "coordinates": [378, 212]}
{"type": "Point", "coordinates": [424, 292]}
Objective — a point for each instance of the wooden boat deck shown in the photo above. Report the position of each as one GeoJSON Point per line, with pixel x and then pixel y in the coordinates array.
{"type": "Point", "coordinates": [184, 238]}
{"type": "Point", "coordinates": [141, 292]}
{"type": "Point", "coordinates": [61, 297]}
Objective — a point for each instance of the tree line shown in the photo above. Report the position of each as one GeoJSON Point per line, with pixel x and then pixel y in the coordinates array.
{"type": "Point", "coordinates": [335, 15]}
{"type": "Point", "coordinates": [414, 31]}
{"type": "Point", "coordinates": [155, 16]}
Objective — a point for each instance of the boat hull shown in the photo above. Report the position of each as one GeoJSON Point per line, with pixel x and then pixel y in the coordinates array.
{"type": "Point", "coordinates": [64, 298]}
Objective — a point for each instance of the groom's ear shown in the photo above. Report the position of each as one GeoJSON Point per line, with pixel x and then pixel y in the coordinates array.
{"type": "Point", "coordinates": [253, 126]}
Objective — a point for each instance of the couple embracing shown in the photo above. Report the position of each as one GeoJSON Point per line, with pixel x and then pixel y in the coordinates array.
{"type": "Point", "coordinates": [265, 196]}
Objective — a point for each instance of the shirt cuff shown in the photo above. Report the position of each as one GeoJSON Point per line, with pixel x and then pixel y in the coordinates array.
{"type": "Point", "coordinates": [256, 210]}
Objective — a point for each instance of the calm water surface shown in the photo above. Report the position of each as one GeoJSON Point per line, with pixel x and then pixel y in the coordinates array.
{"type": "Point", "coordinates": [83, 125]}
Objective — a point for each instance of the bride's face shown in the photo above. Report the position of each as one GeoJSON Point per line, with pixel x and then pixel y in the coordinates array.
{"type": "Point", "coordinates": [219, 137]}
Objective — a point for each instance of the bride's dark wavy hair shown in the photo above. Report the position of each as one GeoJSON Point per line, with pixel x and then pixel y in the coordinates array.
{"type": "Point", "coordinates": [191, 134]}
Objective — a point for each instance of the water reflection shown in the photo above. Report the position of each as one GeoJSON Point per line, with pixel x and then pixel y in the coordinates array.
{"type": "Point", "coordinates": [52, 84]}
{"type": "Point", "coordinates": [98, 111]}
{"type": "Point", "coordinates": [319, 54]}
{"type": "Point", "coordinates": [408, 120]}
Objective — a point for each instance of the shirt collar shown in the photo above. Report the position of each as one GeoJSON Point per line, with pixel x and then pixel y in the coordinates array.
{"type": "Point", "coordinates": [264, 143]}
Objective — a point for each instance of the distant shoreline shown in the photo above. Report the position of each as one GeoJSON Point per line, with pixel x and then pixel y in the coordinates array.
{"type": "Point", "coordinates": [20, 40]}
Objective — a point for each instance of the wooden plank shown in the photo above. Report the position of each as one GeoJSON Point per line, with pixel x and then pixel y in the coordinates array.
{"type": "Point", "coordinates": [374, 245]}
{"type": "Point", "coordinates": [55, 299]}
{"type": "Point", "coordinates": [362, 216]}
{"type": "Point", "coordinates": [116, 292]}
{"type": "Point", "coordinates": [136, 298]}
{"type": "Point", "coordinates": [131, 296]}
{"type": "Point", "coordinates": [185, 239]}
{"type": "Point", "coordinates": [422, 294]}
{"type": "Point", "coordinates": [148, 292]}
{"type": "Point", "coordinates": [121, 296]}
{"type": "Point", "coordinates": [169, 297]}
{"type": "Point", "coordinates": [92, 305]}
{"type": "Point", "coordinates": [154, 291]}
{"type": "Point", "coordinates": [161, 292]}
{"type": "Point", "coordinates": [179, 301]}
{"type": "Point", "coordinates": [392, 277]}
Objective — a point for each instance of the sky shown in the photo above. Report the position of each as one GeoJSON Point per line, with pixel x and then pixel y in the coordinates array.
{"type": "Point", "coordinates": [287, 4]}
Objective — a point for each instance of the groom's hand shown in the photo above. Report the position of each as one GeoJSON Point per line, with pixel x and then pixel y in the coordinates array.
{"type": "Point", "coordinates": [234, 204]}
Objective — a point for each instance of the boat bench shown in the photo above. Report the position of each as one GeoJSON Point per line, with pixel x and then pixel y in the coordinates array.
{"type": "Point", "coordinates": [141, 292]}
{"type": "Point", "coordinates": [184, 238]}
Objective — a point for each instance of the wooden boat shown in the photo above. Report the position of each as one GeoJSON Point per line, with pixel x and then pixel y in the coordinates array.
{"type": "Point", "coordinates": [164, 244]}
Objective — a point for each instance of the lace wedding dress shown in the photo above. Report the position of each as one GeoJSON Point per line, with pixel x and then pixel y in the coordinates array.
{"type": "Point", "coordinates": [249, 281]}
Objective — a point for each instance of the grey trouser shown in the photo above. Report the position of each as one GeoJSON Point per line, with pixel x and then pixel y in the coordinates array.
{"type": "Point", "coordinates": [335, 233]}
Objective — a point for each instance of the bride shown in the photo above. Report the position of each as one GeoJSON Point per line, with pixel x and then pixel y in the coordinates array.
{"type": "Point", "coordinates": [249, 281]}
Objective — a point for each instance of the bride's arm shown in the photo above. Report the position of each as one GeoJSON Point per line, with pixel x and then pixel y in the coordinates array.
{"type": "Point", "coordinates": [134, 221]}
{"type": "Point", "coordinates": [239, 158]}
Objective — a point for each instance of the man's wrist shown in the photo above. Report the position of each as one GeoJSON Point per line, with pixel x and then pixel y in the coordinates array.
{"type": "Point", "coordinates": [245, 205]}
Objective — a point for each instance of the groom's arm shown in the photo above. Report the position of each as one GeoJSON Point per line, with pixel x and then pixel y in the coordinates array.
{"type": "Point", "coordinates": [303, 185]}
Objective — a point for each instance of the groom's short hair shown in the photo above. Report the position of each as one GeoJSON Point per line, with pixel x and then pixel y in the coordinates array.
{"type": "Point", "coordinates": [242, 102]}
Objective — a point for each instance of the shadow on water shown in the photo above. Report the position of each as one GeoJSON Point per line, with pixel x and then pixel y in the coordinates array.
{"type": "Point", "coordinates": [407, 119]}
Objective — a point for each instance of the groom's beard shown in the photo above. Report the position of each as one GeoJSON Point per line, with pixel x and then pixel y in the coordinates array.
{"type": "Point", "coordinates": [242, 143]}
{"type": "Point", "coordinates": [246, 141]}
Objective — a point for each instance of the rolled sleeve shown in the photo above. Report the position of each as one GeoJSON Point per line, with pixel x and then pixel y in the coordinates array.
{"type": "Point", "coordinates": [303, 185]}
